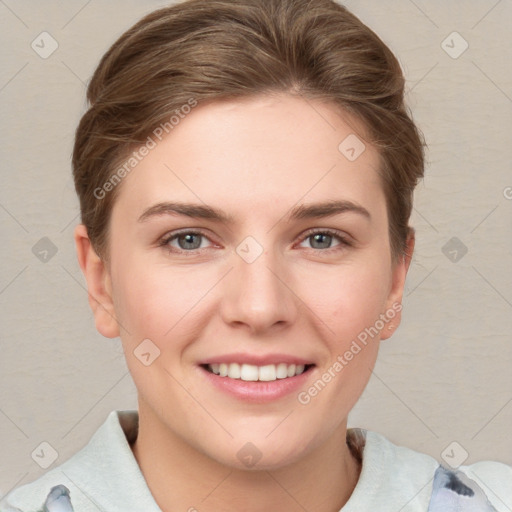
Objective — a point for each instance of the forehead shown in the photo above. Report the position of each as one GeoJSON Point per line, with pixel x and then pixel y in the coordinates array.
{"type": "Point", "coordinates": [257, 154]}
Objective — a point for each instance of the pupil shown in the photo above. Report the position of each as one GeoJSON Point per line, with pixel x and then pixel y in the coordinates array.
{"type": "Point", "coordinates": [189, 244]}
{"type": "Point", "coordinates": [321, 238]}
{"type": "Point", "coordinates": [318, 237]}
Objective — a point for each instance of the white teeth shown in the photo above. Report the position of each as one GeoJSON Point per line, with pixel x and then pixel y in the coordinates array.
{"type": "Point", "coordinates": [291, 370]}
{"type": "Point", "coordinates": [282, 371]}
{"type": "Point", "coordinates": [234, 371]}
{"type": "Point", "coordinates": [267, 372]}
{"type": "Point", "coordinates": [250, 372]}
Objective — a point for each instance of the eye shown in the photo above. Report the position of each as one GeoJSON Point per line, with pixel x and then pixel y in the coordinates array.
{"type": "Point", "coordinates": [321, 239]}
{"type": "Point", "coordinates": [190, 241]}
{"type": "Point", "coordinates": [186, 241]}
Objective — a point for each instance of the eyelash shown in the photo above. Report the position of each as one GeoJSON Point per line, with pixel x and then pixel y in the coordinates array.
{"type": "Point", "coordinates": [344, 242]}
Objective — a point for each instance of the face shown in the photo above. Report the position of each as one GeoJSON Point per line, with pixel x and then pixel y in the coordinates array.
{"type": "Point", "coordinates": [247, 237]}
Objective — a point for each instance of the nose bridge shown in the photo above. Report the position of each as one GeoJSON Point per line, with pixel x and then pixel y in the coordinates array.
{"type": "Point", "coordinates": [257, 295]}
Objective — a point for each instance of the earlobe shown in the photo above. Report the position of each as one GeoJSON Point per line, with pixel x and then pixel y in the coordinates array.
{"type": "Point", "coordinates": [394, 302]}
{"type": "Point", "coordinates": [99, 284]}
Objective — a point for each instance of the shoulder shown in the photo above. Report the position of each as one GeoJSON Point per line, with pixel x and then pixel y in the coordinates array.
{"type": "Point", "coordinates": [33, 496]}
{"type": "Point", "coordinates": [484, 487]}
{"type": "Point", "coordinates": [103, 475]}
{"type": "Point", "coordinates": [493, 474]}
{"type": "Point", "coordinates": [403, 471]}
{"type": "Point", "coordinates": [492, 480]}
{"type": "Point", "coordinates": [44, 491]}
{"type": "Point", "coordinates": [392, 477]}
{"type": "Point", "coordinates": [416, 481]}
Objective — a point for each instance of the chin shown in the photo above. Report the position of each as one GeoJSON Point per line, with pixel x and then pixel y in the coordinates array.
{"type": "Point", "coordinates": [264, 453]}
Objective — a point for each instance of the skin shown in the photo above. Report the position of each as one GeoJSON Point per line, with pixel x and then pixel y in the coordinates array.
{"type": "Point", "coordinates": [255, 159]}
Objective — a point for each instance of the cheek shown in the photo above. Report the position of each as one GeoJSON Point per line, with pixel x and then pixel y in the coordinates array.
{"type": "Point", "coordinates": [350, 298]}
{"type": "Point", "coordinates": [158, 302]}
{"type": "Point", "coordinates": [155, 304]}
{"type": "Point", "coordinates": [350, 307]}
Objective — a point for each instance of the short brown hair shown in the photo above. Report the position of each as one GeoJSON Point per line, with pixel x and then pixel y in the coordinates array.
{"type": "Point", "coordinates": [213, 50]}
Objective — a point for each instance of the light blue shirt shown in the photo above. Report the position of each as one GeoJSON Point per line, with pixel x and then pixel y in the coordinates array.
{"type": "Point", "coordinates": [105, 476]}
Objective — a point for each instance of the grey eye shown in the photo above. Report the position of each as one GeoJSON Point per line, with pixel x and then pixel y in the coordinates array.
{"type": "Point", "coordinates": [323, 239]}
{"type": "Point", "coordinates": [189, 240]}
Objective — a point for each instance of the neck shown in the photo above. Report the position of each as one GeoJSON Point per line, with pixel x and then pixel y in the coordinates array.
{"type": "Point", "coordinates": [181, 478]}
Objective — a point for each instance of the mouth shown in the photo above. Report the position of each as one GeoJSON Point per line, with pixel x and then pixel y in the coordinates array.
{"type": "Point", "coordinates": [254, 373]}
{"type": "Point", "coordinates": [257, 384]}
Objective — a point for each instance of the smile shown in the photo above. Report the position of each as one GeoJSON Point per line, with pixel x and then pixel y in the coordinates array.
{"type": "Point", "coordinates": [250, 372]}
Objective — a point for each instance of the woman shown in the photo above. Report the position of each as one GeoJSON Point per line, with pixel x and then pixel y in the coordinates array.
{"type": "Point", "coordinates": [245, 174]}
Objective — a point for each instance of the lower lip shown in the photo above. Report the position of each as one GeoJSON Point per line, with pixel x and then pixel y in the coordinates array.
{"type": "Point", "coordinates": [258, 391]}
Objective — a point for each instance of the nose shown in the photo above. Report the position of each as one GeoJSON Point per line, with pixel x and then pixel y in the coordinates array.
{"type": "Point", "coordinates": [258, 293]}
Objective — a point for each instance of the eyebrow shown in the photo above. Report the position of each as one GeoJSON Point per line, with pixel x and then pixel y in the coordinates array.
{"type": "Point", "coordinates": [303, 211]}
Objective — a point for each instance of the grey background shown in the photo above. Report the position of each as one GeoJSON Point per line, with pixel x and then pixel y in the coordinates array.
{"type": "Point", "coordinates": [443, 377]}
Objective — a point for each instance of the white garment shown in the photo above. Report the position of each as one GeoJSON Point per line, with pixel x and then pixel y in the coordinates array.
{"type": "Point", "coordinates": [105, 476]}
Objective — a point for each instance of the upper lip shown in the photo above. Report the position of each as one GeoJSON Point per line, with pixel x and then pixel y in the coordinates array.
{"type": "Point", "coordinates": [257, 360]}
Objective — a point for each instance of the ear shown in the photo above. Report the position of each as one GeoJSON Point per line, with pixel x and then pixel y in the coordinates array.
{"type": "Point", "coordinates": [99, 284]}
{"type": "Point", "coordinates": [394, 301]}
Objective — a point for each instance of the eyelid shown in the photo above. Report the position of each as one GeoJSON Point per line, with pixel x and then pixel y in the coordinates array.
{"type": "Point", "coordinates": [343, 238]}
{"type": "Point", "coordinates": [164, 240]}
